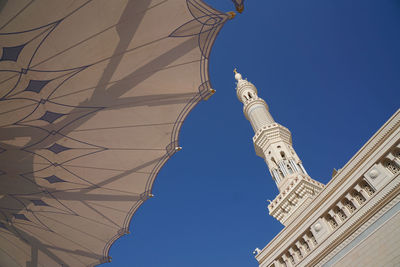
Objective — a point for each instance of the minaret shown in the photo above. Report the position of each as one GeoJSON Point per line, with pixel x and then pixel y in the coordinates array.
{"type": "Point", "coordinates": [273, 142]}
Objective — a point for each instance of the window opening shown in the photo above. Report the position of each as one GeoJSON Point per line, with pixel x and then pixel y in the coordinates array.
{"type": "Point", "coordinates": [391, 167]}
{"type": "Point", "coordinates": [289, 168]}
{"type": "Point", "coordinates": [332, 221]}
{"type": "Point", "coordinates": [360, 198]}
{"type": "Point", "coordinates": [367, 188]}
{"type": "Point", "coordinates": [350, 206]}
{"type": "Point", "coordinates": [313, 238]}
{"type": "Point", "coordinates": [291, 259]}
{"type": "Point", "coordinates": [298, 252]}
{"type": "Point", "coordinates": [305, 244]}
{"type": "Point", "coordinates": [342, 215]}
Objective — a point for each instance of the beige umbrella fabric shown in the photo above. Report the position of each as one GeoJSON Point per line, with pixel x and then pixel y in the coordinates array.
{"type": "Point", "coordinates": [92, 98]}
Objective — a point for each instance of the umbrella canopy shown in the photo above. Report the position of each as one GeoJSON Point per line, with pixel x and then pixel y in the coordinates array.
{"type": "Point", "coordinates": [92, 98]}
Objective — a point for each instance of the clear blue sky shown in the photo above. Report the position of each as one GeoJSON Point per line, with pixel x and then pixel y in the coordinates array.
{"type": "Point", "coordinates": [330, 72]}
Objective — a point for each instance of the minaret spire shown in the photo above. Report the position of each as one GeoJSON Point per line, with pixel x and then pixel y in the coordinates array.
{"type": "Point", "coordinates": [273, 142]}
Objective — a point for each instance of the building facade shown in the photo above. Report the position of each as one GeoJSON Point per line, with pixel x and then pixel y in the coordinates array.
{"type": "Point", "coordinates": [352, 221]}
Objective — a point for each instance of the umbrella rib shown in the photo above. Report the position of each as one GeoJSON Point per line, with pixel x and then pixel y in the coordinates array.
{"type": "Point", "coordinates": [17, 14]}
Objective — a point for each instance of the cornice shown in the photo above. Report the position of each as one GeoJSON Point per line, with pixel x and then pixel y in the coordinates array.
{"type": "Point", "coordinates": [356, 223]}
{"type": "Point", "coordinates": [305, 181]}
{"type": "Point", "coordinates": [270, 134]}
{"type": "Point", "coordinates": [393, 198]}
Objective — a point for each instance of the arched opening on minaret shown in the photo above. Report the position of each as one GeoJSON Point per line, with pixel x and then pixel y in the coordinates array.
{"type": "Point", "coordinates": [250, 95]}
{"type": "Point", "coordinates": [273, 160]}
{"type": "Point", "coordinates": [300, 167]}
{"type": "Point", "coordinates": [289, 168]}
{"type": "Point", "coordinates": [283, 155]}
{"type": "Point", "coordinates": [278, 174]}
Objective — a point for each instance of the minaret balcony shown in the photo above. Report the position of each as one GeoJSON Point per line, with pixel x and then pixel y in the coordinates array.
{"type": "Point", "coordinates": [268, 135]}
{"type": "Point", "coordinates": [294, 198]}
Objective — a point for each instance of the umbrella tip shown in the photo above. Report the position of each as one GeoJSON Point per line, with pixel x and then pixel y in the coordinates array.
{"type": "Point", "coordinates": [231, 14]}
{"type": "Point", "coordinates": [210, 93]}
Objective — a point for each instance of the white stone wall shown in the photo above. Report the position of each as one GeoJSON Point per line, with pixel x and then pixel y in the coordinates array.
{"type": "Point", "coordinates": [380, 248]}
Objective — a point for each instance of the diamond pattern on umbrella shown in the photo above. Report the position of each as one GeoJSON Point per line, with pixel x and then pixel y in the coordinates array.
{"type": "Point", "coordinates": [50, 116]}
{"type": "Point", "coordinates": [38, 202]}
{"type": "Point", "coordinates": [36, 85]}
{"type": "Point", "coordinates": [11, 53]}
{"type": "Point", "coordinates": [56, 148]}
{"type": "Point", "coordinates": [20, 217]}
{"type": "Point", "coordinates": [53, 179]}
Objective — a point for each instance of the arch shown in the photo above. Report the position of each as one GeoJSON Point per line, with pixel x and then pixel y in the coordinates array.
{"type": "Point", "coordinates": [349, 205]}
{"type": "Point", "coordinates": [289, 168]}
{"type": "Point", "coordinates": [332, 222]}
{"type": "Point", "coordinates": [340, 213]}
{"type": "Point", "coordinates": [359, 197]}
{"type": "Point", "coordinates": [367, 188]}
{"type": "Point", "coordinates": [283, 155]}
{"type": "Point", "coordinates": [392, 167]}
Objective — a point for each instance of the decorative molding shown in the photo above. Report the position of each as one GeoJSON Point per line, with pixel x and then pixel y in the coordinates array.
{"type": "Point", "coordinates": [297, 196]}
{"type": "Point", "coordinates": [363, 227]}
{"type": "Point", "coordinates": [358, 218]}
{"type": "Point", "coordinates": [372, 151]}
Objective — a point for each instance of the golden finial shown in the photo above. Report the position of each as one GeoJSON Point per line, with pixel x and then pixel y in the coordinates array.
{"type": "Point", "coordinates": [235, 71]}
{"type": "Point", "coordinates": [231, 14]}
{"type": "Point", "coordinates": [240, 9]}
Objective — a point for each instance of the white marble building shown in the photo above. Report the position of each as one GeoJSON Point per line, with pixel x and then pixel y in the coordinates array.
{"type": "Point", "coordinates": [352, 221]}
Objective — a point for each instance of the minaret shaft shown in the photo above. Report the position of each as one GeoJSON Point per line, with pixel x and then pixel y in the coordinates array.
{"type": "Point", "coordinates": [273, 142]}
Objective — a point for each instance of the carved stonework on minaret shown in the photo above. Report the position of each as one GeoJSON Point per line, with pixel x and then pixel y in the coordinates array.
{"type": "Point", "coordinates": [273, 142]}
